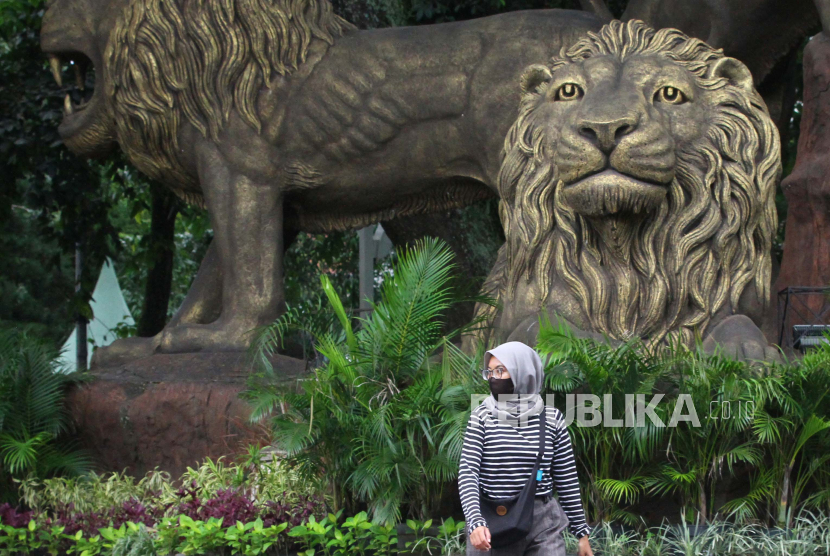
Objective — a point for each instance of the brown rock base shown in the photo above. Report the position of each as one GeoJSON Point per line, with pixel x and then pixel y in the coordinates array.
{"type": "Point", "coordinates": [168, 411]}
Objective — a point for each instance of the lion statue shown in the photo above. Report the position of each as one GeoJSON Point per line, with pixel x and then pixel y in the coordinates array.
{"type": "Point", "coordinates": [280, 116]}
{"type": "Point", "coordinates": [637, 195]}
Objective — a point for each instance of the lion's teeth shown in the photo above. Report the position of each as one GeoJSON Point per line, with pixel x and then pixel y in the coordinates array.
{"type": "Point", "coordinates": [67, 105]}
{"type": "Point", "coordinates": [55, 64]}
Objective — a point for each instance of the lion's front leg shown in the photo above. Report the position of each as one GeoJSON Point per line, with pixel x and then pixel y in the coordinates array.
{"type": "Point", "coordinates": [247, 220]}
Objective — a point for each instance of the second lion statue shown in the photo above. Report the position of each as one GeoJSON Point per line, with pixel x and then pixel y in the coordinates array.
{"type": "Point", "coordinates": [638, 195]}
{"type": "Point", "coordinates": [278, 116]}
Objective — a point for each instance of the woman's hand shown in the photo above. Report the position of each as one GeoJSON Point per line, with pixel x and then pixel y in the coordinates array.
{"type": "Point", "coordinates": [481, 538]}
{"type": "Point", "coordinates": [584, 547]}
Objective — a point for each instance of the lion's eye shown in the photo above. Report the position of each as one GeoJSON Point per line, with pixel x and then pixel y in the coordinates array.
{"type": "Point", "coordinates": [670, 95]}
{"type": "Point", "coordinates": [569, 91]}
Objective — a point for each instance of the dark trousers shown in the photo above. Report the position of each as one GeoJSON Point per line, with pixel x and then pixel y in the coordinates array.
{"type": "Point", "coordinates": [545, 537]}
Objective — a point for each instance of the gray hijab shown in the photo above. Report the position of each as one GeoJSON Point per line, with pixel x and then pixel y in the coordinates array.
{"type": "Point", "coordinates": [526, 370]}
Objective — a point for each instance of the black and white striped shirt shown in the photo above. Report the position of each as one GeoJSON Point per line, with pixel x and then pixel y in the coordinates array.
{"type": "Point", "coordinates": [497, 459]}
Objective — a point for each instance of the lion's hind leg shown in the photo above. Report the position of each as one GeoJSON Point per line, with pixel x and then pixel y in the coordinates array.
{"type": "Point", "coordinates": [202, 305]}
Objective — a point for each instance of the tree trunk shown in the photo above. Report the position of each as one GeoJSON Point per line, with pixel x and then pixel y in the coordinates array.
{"type": "Point", "coordinates": [806, 259]}
{"type": "Point", "coordinates": [703, 519]}
{"type": "Point", "coordinates": [165, 208]}
{"type": "Point", "coordinates": [784, 504]}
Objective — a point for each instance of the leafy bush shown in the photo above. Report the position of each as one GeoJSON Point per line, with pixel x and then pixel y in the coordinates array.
{"type": "Point", "coordinates": [449, 540]}
{"type": "Point", "coordinates": [381, 419]}
{"type": "Point", "coordinates": [33, 420]}
{"type": "Point", "coordinates": [356, 535]}
{"type": "Point", "coordinates": [95, 512]}
{"type": "Point", "coordinates": [274, 485]}
{"type": "Point", "coordinates": [14, 516]}
{"type": "Point", "coordinates": [183, 535]}
{"type": "Point", "coordinates": [810, 535]}
{"type": "Point", "coordinates": [189, 536]}
{"type": "Point", "coordinates": [25, 540]}
{"type": "Point", "coordinates": [138, 542]}
{"type": "Point", "coordinates": [776, 433]}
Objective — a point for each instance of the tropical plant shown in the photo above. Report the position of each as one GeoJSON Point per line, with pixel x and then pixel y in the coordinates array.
{"type": "Point", "coordinates": [329, 536]}
{"type": "Point", "coordinates": [699, 452]}
{"type": "Point", "coordinates": [381, 418]}
{"type": "Point", "coordinates": [273, 485]}
{"type": "Point", "coordinates": [792, 425]}
{"type": "Point", "coordinates": [304, 322]}
{"type": "Point", "coordinates": [91, 492]}
{"type": "Point", "coordinates": [810, 535]}
{"type": "Point", "coordinates": [613, 460]}
{"type": "Point", "coordinates": [451, 537]}
{"type": "Point", "coordinates": [765, 420]}
{"type": "Point", "coordinates": [138, 542]}
{"type": "Point", "coordinates": [33, 419]}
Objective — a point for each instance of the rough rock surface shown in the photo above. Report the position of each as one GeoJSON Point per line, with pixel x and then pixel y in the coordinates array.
{"type": "Point", "coordinates": [168, 411]}
{"type": "Point", "coordinates": [806, 260]}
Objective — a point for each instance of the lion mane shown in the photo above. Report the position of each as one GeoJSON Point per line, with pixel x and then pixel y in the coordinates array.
{"type": "Point", "coordinates": [169, 60]}
{"type": "Point", "coordinates": [709, 240]}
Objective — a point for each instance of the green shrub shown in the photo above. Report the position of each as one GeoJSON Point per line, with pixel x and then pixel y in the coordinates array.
{"type": "Point", "coordinates": [25, 540]}
{"type": "Point", "coordinates": [777, 431]}
{"type": "Point", "coordinates": [33, 420]}
{"type": "Point", "coordinates": [381, 419]}
{"type": "Point", "coordinates": [810, 535]}
{"type": "Point", "coordinates": [137, 542]}
{"type": "Point", "coordinates": [91, 493]}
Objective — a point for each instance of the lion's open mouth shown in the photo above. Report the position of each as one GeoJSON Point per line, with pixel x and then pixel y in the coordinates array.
{"type": "Point", "coordinates": [74, 72]}
{"type": "Point", "coordinates": [611, 192]}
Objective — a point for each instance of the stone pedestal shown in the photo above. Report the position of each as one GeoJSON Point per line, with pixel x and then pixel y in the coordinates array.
{"type": "Point", "coordinates": [806, 260]}
{"type": "Point", "coordinates": [168, 411]}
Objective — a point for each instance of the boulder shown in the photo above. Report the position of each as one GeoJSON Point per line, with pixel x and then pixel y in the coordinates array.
{"type": "Point", "coordinates": [169, 410]}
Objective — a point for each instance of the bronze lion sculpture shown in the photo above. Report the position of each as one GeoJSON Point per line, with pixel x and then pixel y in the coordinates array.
{"type": "Point", "coordinates": [637, 195]}
{"type": "Point", "coordinates": [279, 115]}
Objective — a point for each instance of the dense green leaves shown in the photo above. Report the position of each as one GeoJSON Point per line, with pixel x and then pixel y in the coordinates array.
{"type": "Point", "coordinates": [382, 417]}
{"type": "Point", "coordinates": [33, 420]}
{"type": "Point", "coordinates": [767, 421]}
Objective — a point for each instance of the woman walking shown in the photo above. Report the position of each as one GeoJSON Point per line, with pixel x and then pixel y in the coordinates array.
{"type": "Point", "coordinates": [503, 473]}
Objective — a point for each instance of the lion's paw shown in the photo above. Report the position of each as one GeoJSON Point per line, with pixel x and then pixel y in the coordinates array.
{"type": "Point", "coordinates": [124, 350]}
{"type": "Point", "coordinates": [216, 336]}
{"type": "Point", "coordinates": [738, 337]}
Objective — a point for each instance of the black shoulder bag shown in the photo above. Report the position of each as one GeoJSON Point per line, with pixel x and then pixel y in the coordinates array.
{"type": "Point", "coordinates": [510, 519]}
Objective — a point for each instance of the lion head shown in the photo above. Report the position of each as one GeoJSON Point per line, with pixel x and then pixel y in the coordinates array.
{"type": "Point", "coordinates": [641, 173]}
{"type": "Point", "coordinates": [160, 63]}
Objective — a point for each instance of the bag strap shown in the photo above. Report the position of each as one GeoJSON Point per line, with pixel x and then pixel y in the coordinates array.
{"type": "Point", "coordinates": [542, 421]}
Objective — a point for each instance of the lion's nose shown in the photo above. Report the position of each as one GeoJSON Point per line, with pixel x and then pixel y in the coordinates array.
{"type": "Point", "coordinates": [606, 134]}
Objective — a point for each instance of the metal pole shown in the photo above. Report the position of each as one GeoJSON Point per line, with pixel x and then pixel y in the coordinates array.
{"type": "Point", "coordinates": [80, 321]}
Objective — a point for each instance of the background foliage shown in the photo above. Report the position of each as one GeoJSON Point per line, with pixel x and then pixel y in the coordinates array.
{"type": "Point", "coordinates": [380, 419]}
{"type": "Point", "coordinates": [34, 426]}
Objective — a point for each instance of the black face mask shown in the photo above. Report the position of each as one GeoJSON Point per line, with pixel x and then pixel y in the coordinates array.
{"type": "Point", "coordinates": [500, 386]}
